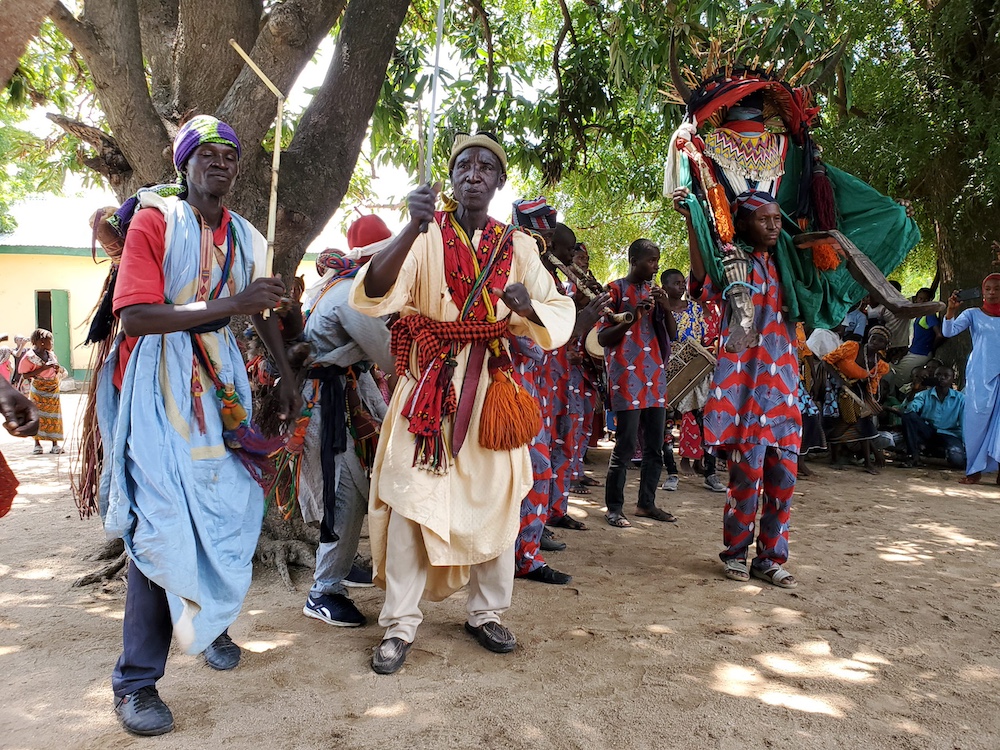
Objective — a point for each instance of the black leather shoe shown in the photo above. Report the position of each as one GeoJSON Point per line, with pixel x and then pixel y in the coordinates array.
{"type": "Point", "coordinates": [144, 713]}
{"type": "Point", "coordinates": [545, 574]}
{"type": "Point", "coordinates": [493, 636]}
{"type": "Point", "coordinates": [550, 544]}
{"type": "Point", "coordinates": [390, 655]}
{"type": "Point", "coordinates": [223, 654]}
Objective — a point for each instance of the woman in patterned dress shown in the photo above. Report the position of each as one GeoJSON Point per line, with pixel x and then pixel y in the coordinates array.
{"type": "Point", "coordinates": [40, 367]}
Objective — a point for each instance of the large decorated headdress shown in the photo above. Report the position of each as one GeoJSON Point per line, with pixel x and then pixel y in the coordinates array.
{"type": "Point", "coordinates": [726, 81]}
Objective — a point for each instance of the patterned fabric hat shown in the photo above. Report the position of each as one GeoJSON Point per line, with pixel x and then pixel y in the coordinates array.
{"type": "Point", "coordinates": [199, 130]}
{"type": "Point", "coordinates": [331, 259]}
{"type": "Point", "coordinates": [751, 200]}
{"type": "Point", "coordinates": [534, 214]}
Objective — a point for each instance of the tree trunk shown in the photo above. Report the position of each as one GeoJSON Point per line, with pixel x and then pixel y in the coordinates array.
{"type": "Point", "coordinates": [19, 23]}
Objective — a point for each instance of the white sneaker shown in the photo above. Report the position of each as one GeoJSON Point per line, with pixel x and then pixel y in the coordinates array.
{"type": "Point", "coordinates": [712, 483]}
{"type": "Point", "coordinates": [670, 483]}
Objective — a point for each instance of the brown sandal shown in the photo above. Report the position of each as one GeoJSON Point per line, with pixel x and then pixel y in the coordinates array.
{"type": "Point", "coordinates": [657, 514]}
{"type": "Point", "coordinates": [567, 522]}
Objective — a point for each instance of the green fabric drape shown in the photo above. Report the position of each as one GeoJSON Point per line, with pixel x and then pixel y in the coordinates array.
{"type": "Point", "coordinates": [878, 225]}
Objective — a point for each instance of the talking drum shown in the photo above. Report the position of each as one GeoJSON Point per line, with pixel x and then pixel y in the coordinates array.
{"type": "Point", "coordinates": [593, 346]}
{"type": "Point", "coordinates": [689, 370]}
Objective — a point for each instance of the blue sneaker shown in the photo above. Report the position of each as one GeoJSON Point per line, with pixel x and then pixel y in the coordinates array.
{"type": "Point", "coordinates": [334, 609]}
{"type": "Point", "coordinates": [358, 578]}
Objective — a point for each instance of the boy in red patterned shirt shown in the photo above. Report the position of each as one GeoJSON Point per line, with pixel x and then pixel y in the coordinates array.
{"type": "Point", "coordinates": [636, 353]}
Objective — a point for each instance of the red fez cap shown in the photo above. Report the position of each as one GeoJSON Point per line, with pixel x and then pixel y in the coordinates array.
{"type": "Point", "coordinates": [367, 230]}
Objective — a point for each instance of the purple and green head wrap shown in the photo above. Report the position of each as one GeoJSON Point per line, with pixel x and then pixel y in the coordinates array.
{"type": "Point", "coordinates": [193, 133]}
{"type": "Point", "coordinates": [199, 130]}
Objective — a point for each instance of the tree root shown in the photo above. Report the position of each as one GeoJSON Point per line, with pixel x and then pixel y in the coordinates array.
{"type": "Point", "coordinates": [104, 574]}
{"type": "Point", "coordinates": [279, 553]}
{"type": "Point", "coordinates": [110, 550]}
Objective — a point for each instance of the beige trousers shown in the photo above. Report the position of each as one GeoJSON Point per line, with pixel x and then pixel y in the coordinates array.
{"type": "Point", "coordinates": [491, 584]}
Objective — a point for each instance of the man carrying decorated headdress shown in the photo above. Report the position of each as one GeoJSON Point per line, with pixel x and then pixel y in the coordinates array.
{"type": "Point", "coordinates": [182, 463]}
{"type": "Point", "coordinates": [452, 465]}
{"type": "Point", "coordinates": [744, 171]}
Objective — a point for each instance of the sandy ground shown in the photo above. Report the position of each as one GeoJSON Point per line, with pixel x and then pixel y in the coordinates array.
{"type": "Point", "coordinates": [890, 641]}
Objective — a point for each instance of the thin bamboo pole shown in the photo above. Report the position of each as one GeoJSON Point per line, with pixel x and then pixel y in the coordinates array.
{"type": "Point", "coordinates": [272, 207]}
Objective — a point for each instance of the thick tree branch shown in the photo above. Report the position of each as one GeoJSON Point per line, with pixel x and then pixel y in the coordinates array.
{"type": "Point", "coordinates": [110, 161]}
{"type": "Point", "coordinates": [80, 35]}
{"type": "Point", "coordinates": [285, 44]}
{"type": "Point", "coordinates": [19, 23]}
{"type": "Point", "coordinates": [205, 63]}
{"type": "Point", "coordinates": [316, 169]}
{"type": "Point", "coordinates": [108, 38]}
{"type": "Point", "coordinates": [158, 26]}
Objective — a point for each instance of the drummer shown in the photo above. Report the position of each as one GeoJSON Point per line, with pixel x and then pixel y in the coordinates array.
{"type": "Point", "coordinates": [691, 326]}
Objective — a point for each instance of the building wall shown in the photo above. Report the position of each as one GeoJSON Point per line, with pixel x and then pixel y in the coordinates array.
{"type": "Point", "coordinates": [27, 270]}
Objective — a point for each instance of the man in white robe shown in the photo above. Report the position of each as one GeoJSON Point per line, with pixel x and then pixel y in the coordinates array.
{"type": "Point", "coordinates": [434, 528]}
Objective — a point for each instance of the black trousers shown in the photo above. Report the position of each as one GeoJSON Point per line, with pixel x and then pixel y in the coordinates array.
{"type": "Point", "coordinates": [146, 634]}
{"type": "Point", "coordinates": [626, 438]}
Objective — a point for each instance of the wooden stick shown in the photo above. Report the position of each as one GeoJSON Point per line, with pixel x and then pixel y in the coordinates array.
{"type": "Point", "coordinates": [272, 207]}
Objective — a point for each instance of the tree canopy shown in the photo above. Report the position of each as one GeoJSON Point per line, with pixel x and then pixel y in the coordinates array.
{"type": "Point", "coordinates": [578, 90]}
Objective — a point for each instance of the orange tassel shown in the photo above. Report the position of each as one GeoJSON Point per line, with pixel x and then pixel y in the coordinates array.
{"type": "Point", "coordinates": [825, 257]}
{"type": "Point", "coordinates": [511, 416]}
{"type": "Point", "coordinates": [720, 207]}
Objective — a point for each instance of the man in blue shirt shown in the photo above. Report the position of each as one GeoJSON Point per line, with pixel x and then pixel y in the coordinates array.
{"type": "Point", "coordinates": [934, 419]}
{"type": "Point", "coordinates": [927, 337]}
{"type": "Point", "coordinates": [855, 322]}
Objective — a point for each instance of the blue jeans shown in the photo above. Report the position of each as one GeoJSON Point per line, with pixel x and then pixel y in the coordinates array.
{"type": "Point", "coordinates": [334, 559]}
{"type": "Point", "coordinates": [918, 432]}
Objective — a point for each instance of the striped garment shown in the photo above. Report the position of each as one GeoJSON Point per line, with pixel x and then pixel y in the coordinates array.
{"type": "Point", "coordinates": [45, 394]}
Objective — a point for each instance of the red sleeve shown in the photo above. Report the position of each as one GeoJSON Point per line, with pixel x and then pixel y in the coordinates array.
{"type": "Point", "coordinates": [140, 275]}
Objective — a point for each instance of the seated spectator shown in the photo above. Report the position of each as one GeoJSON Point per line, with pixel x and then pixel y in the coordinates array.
{"type": "Point", "coordinates": [927, 337]}
{"type": "Point", "coordinates": [933, 420]}
{"type": "Point", "coordinates": [899, 328]}
{"type": "Point", "coordinates": [855, 322]}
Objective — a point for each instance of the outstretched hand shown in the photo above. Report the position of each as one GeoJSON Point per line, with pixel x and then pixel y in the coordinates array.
{"type": "Point", "coordinates": [19, 414]}
{"type": "Point", "coordinates": [262, 294]}
{"type": "Point", "coordinates": [679, 197]}
{"type": "Point", "coordinates": [422, 202]}
{"type": "Point", "coordinates": [954, 304]}
{"type": "Point", "coordinates": [590, 314]}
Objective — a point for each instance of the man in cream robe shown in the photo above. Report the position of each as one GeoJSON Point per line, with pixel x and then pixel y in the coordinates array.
{"type": "Point", "coordinates": [434, 531]}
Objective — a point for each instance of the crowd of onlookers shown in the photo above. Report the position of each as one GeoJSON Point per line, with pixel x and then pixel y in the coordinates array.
{"type": "Point", "coordinates": [875, 389]}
